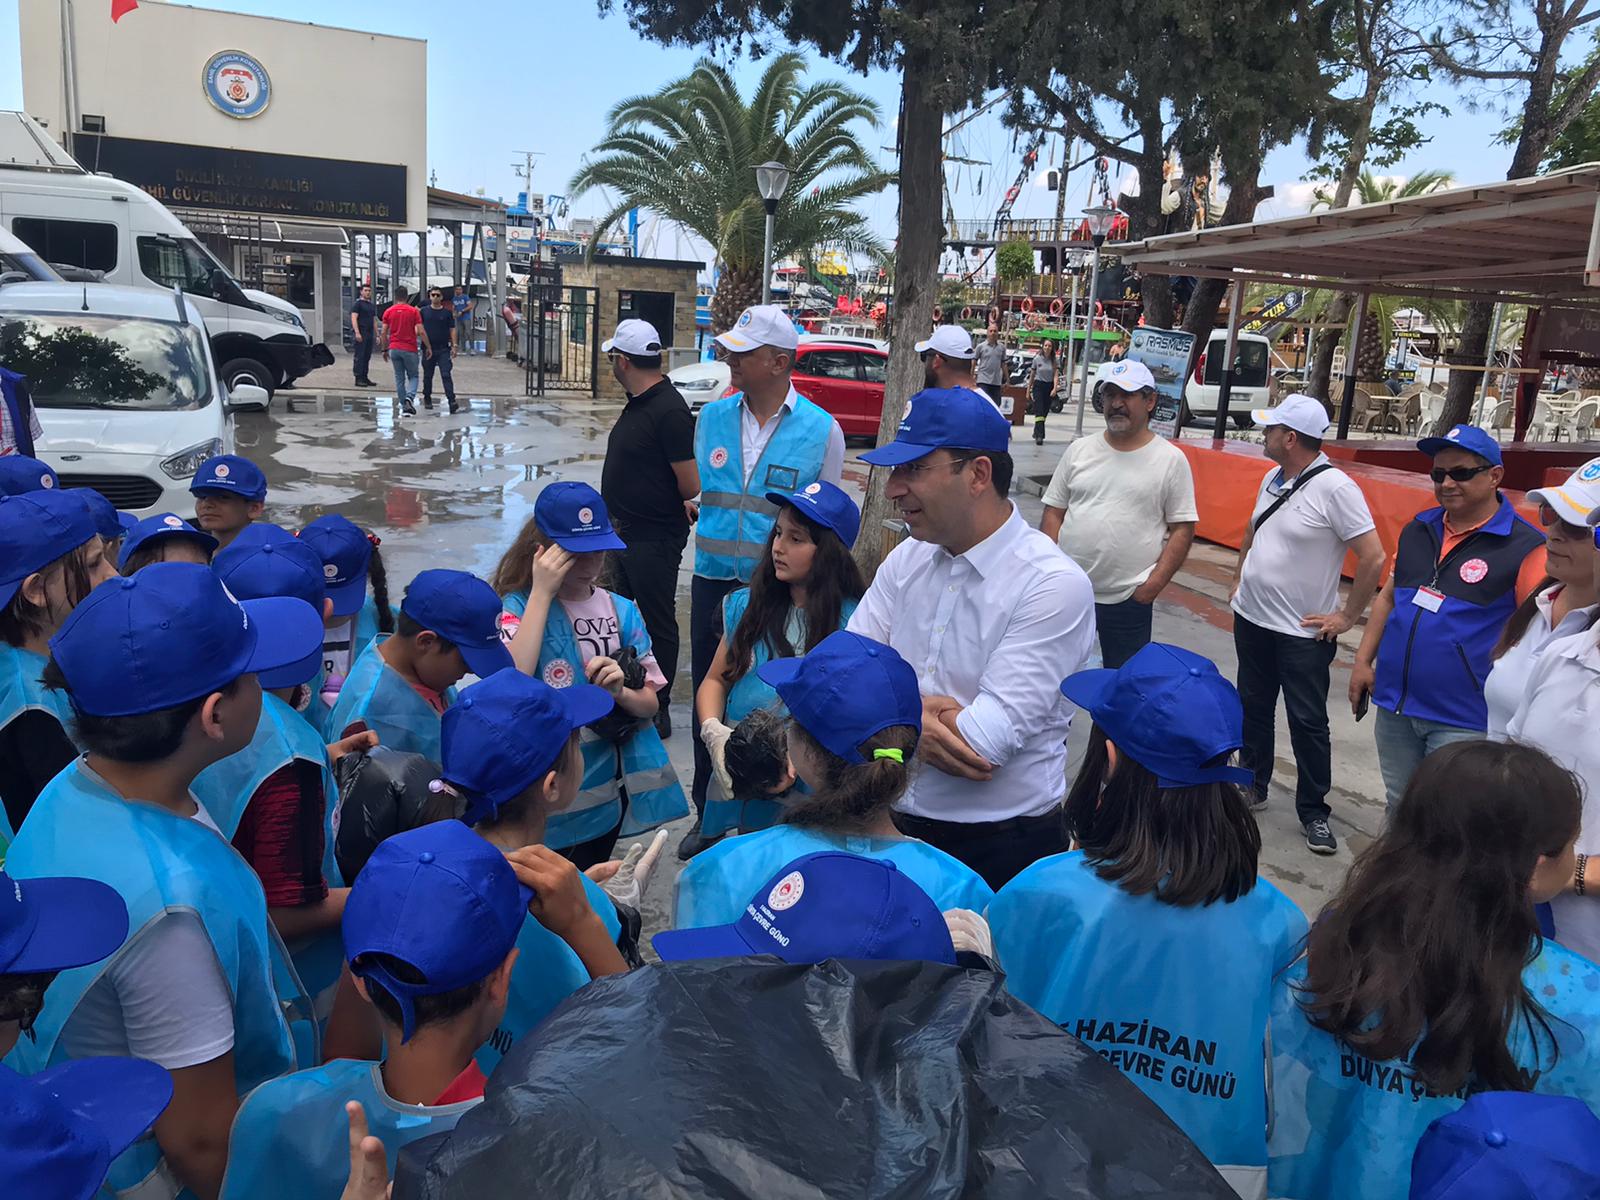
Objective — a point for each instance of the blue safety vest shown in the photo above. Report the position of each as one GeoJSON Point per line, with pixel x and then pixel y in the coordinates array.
{"type": "Point", "coordinates": [654, 794]}
{"type": "Point", "coordinates": [717, 884]}
{"type": "Point", "coordinates": [546, 972]}
{"type": "Point", "coordinates": [290, 1139]}
{"type": "Point", "coordinates": [375, 693]}
{"type": "Point", "coordinates": [1177, 998]}
{"type": "Point", "coordinates": [225, 788]}
{"type": "Point", "coordinates": [1344, 1125]}
{"type": "Point", "coordinates": [747, 814]}
{"type": "Point", "coordinates": [735, 516]}
{"type": "Point", "coordinates": [20, 691]}
{"type": "Point", "coordinates": [160, 862]}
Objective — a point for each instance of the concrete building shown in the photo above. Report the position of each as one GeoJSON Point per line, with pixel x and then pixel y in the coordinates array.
{"type": "Point", "coordinates": [658, 290]}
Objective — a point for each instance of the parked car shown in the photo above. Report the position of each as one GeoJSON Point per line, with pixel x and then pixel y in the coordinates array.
{"type": "Point", "coordinates": [845, 377]}
{"type": "Point", "coordinates": [701, 382]}
{"type": "Point", "coordinates": [1251, 378]}
{"type": "Point", "coordinates": [126, 388]}
{"type": "Point", "coordinates": [19, 264]}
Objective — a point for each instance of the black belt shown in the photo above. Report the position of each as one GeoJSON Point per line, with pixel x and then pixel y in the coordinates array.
{"type": "Point", "coordinates": [1009, 825]}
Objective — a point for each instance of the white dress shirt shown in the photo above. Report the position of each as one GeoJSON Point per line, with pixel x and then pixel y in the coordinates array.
{"type": "Point", "coordinates": [754, 437]}
{"type": "Point", "coordinates": [997, 628]}
{"type": "Point", "coordinates": [1508, 677]}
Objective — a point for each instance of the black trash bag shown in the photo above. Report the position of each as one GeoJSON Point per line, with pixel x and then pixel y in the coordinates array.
{"type": "Point", "coordinates": [383, 792]}
{"type": "Point", "coordinates": [618, 726]}
{"type": "Point", "coordinates": [757, 754]}
{"type": "Point", "coordinates": [750, 1078]}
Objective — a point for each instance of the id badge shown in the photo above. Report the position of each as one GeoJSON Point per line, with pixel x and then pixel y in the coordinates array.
{"type": "Point", "coordinates": [1428, 598]}
{"type": "Point", "coordinates": [783, 479]}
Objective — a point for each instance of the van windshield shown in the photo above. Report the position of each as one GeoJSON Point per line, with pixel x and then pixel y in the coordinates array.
{"type": "Point", "coordinates": [1249, 364]}
{"type": "Point", "coordinates": [87, 361]}
{"type": "Point", "coordinates": [185, 263]}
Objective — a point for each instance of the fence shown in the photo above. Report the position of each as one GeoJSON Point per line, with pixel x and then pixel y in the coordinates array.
{"type": "Point", "coordinates": [561, 340]}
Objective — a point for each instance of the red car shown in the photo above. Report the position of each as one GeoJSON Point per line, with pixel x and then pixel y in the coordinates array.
{"type": "Point", "coordinates": [846, 379]}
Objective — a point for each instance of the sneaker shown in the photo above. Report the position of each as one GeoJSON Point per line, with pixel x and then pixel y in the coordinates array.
{"type": "Point", "coordinates": [427, 403]}
{"type": "Point", "coordinates": [1258, 801]}
{"type": "Point", "coordinates": [365, 383]}
{"type": "Point", "coordinates": [454, 408]}
{"type": "Point", "coordinates": [1319, 838]}
{"type": "Point", "coordinates": [664, 722]}
{"type": "Point", "coordinates": [694, 842]}
{"type": "Point", "coordinates": [408, 408]}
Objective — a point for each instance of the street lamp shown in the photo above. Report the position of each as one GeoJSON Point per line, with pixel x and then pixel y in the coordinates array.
{"type": "Point", "coordinates": [1099, 219]}
{"type": "Point", "coordinates": [771, 179]}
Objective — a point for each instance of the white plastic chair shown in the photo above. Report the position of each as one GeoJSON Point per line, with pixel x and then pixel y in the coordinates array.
{"type": "Point", "coordinates": [1580, 424]}
{"type": "Point", "coordinates": [1499, 416]}
{"type": "Point", "coordinates": [1432, 406]}
{"type": "Point", "coordinates": [1544, 425]}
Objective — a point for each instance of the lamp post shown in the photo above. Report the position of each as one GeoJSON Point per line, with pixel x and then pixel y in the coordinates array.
{"type": "Point", "coordinates": [1099, 218]}
{"type": "Point", "coordinates": [771, 179]}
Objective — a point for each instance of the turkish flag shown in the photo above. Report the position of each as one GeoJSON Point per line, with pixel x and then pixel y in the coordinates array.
{"type": "Point", "coordinates": [121, 8]}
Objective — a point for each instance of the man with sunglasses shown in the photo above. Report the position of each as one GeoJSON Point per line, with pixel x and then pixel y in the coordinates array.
{"type": "Point", "coordinates": [1460, 570]}
{"type": "Point", "coordinates": [439, 324]}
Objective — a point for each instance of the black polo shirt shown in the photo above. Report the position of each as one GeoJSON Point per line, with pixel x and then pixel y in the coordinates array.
{"type": "Point", "coordinates": [655, 430]}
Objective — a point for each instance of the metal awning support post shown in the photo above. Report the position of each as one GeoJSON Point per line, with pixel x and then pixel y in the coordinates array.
{"type": "Point", "coordinates": [1488, 364]}
{"type": "Point", "coordinates": [1235, 311]}
{"type": "Point", "coordinates": [1088, 336]}
{"type": "Point", "coordinates": [1348, 402]}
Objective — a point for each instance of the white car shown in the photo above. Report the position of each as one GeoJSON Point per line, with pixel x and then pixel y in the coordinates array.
{"type": "Point", "coordinates": [701, 383]}
{"type": "Point", "coordinates": [125, 387]}
{"type": "Point", "coordinates": [1252, 378]}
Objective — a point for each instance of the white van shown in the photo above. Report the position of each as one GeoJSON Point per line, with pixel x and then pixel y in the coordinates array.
{"type": "Point", "coordinates": [79, 222]}
{"type": "Point", "coordinates": [1252, 376]}
{"type": "Point", "coordinates": [125, 388]}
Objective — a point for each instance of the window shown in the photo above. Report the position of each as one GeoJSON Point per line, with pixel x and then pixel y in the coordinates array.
{"type": "Point", "coordinates": [80, 360]}
{"type": "Point", "coordinates": [830, 364]}
{"type": "Point", "coordinates": [88, 244]}
{"type": "Point", "coordinates": [179, 262]}
{"type": "Point", "coordinates": [875, 368]}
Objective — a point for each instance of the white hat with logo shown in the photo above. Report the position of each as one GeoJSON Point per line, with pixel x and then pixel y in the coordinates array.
{"type": "Point", "coordinates": [1577, 500]}
{"type": "Point", "coordinates": [1296, 411]}
{"type": "Point", "coordinates": [1127, 374]}
{"type": "Point", "coordinates": [634, 336]}
{"type": "Point", "coordinates": [760, 325]}
{"type": "Point", "coordinates": [952, 341]}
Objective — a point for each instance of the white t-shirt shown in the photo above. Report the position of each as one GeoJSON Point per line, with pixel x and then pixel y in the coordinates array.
{"type": "Point", "coordinates": [1292, 569]}
{"type": "Point", "coordinates": [1508, 678]}
{"type": "Point", "coordinates": [164, 997]}
{"type": "Point", "coordinates": [1119, 505]}
{"type": "Point", "coordinates": [338, 647]}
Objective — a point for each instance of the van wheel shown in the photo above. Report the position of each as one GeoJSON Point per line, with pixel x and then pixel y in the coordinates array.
{"type": "Point", "coordinates": [251, 371]}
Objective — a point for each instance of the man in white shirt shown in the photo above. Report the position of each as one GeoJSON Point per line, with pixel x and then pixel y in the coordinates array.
{"type": "Point", "coordinates": [992, 617]}
{"type": "Point", "coordinates": [1286, 617]}
{"type": "Point", "coordinates": [1122, 507]}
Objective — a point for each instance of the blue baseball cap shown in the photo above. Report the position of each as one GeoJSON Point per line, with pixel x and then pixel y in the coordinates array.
{"type": "Point", "coordinates": [65, 1125]}
{"type": "Point", "coordinates": [440, 899]}
{"type": "Point", "coordinates": [1510, 1146]}
{"type": "Point", "coordinates": [20, 474]}
{"type": "Point", "coordinates": [35, 530]}
{"type": "Point", "coordinates": [824, 504]}
{"type": "Point", "coordinates": [231, 473]}
{"type": "Point", "coordinates": [267, 560]}
{"type": "Point", "coordinates": [1170, 711]}
{"type": "Point", "coordinates": [54, 924]}
{"type": "Point", "coordinates": [158, 528]}
{"type": "Point", "coordinates": [845, 690]}
{"type": "Point", "coordinates": [944, 417]}
{"type": "Point", "coordinates": [346, 552]}
{"type": "Point", "coordinates": [507, 732]}
{"type": "Point", "coordinates": [107, 520]}
{"type": "Point", "coordinates": [827, 905]}
{"type": "Point", "coordinates": [463, 609]}
{"type": "Point", "coordinates": [171, 634]}
{"type": "Point", "coordinates": [574, 517]}
{"type": "Point", "coordinates": [1464, 437]}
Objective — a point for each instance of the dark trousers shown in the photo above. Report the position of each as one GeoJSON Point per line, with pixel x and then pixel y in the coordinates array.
{"type": "Point", "coordinates": [647, 573]}
{"type": "Point", "coordinates": [596, 850]}
{"type": "Point", "coordinates": [1124, 628]}
{"type": "Point", "coordinates": [705, 631]}
{"type": "Point", "coordinates": [363, 354]}
{"type": "Point", "coordinates": [441, 359]}
{"type": "Point", "coordinates": [996, 850]}
{"type": "Point", "coordinates": [1039, 407]}
{"type": "Point", "coordinates": [992, 390]}
{"type": "Point", "coordinates": [1270, 662]}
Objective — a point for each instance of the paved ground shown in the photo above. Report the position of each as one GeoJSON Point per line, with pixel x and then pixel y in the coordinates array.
{"type": "Point", "coordinates": [475, 374]}
{"type": "Point", "coordinates": [453, 491]}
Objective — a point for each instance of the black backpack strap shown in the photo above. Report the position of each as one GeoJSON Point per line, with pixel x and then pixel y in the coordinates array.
{"type": "Point", "coordinates": [1305, 478]}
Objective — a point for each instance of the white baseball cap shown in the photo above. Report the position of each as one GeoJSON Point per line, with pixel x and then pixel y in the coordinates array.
{"type": "Point", "coordinates": [634, 337]}
{"type": "Point", "coordinates": [952, 341]}
{"type": "Point", "coordinates": [1296, 411]}
{"type": "Point", "coordinates": [761, 325]}
{"type": "Point", "coordinates": [1577, 500]}
{"type": "Point", "coordinates": [1127, 374]}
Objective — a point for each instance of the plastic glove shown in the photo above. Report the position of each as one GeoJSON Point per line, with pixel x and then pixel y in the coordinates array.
{"type": "Point", "coordinates": [969, 931]}
{"type": "Point", "coordinates": [714, 736]}
{"type": "Point", "coordinates": [632, 877]}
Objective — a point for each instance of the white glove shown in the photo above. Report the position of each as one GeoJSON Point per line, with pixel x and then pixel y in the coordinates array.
{"type": "Point", "coordinates": [714, 736]}
{"type": "Point", "coordinates": [969, 931]}
{"type": "Point", "coordinates": [628, 885]}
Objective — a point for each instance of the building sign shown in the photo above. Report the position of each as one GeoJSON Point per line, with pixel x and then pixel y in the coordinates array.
{"type": "Point", "coordinates": [1166, 352]}
{"type": "Point", "coordinates": [1275, 308]}
{"type": "Point", "coordinates": [1571, 334]}
{"type": "Point", "coordinates": [236, 84]}
{"type": "Point", "coordinates": [286, 186]}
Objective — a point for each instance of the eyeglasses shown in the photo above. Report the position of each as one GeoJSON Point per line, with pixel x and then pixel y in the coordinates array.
{"type": "Point", "coordinates": [726, 355]}
{"type": "Point", "coordinates": [916, 470]}
{"type": "Point", "coordinates": [1459, 474]}
{"type": "Point", "coordinates": [1548, 517]}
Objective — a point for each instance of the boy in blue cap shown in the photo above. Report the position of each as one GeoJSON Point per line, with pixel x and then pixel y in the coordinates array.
{"type": "Point", "coordinates": [1510, 1146]}
{"type": "Point", "coordinates": [855, 715]}
{"type": "Point", "coordinates": [165, 537]}
{"type": "Point", "coordinates": [161, 669]}
{"type": "Point", "coordinates": [1135, 928]}
{"type": "Point", "coordinates": [402, 683]}
{"type": "Point", "coordinates": [351, 561]}
{"type": "Point", "coordinates": [229, 492]}
{"type": "Point", "coordinates": [432, 932]}
{"type": "Point", "coordinates": [20, 474]}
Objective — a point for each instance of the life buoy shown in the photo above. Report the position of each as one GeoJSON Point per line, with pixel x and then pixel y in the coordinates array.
{"type": "Point", "coordinates": [1027, 304]}
{"type": "Point", "coordinates": [1057, 308]}
{"type": "Point", "coordinates": [966, 313]}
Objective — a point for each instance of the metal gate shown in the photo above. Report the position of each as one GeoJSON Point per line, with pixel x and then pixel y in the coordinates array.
{"type": "Point", "coordinates": [561, 340]}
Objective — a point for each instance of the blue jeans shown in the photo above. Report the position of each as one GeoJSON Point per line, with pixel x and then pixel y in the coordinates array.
{"type": "Point", "coordinates": [405, 374]}
{"type": "Point", "coordinates": [1403, 742]}
{"type": "Point", "coordinates": [1124, 629]}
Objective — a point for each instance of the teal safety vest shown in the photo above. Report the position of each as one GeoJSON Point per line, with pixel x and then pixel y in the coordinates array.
{"type": "Point", "coordinates": [735, 516]}
{"type": "Point", "coordinates": [1176, 998]}
{"type": "Point", "coordinates": [717, 884]}
{"type": "Point", "coordinates": [21, 690]}
{"type": "Point", "coordinates": [159, 862]}
{"type": "Point", "coordinates": [654, 794]}
{"type": "Point", "coordinates": [225, 788]}
{"type": "Point", "coordinates": [290, 1139]}
{"type": "Point", "coordinates": [375, 693]}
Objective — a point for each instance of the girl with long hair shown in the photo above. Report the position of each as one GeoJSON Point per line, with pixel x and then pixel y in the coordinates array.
{"type": "Point", "coordinates": [1425, 980]}
{"type": "Point", "coordinates": [352, 565]}
{"type": "Point", "coordinates": [1154, 940]}
{"type": "Point", "coordinates": [1041, 387]}
{"type": "Point", "coordinates": [805, 588]}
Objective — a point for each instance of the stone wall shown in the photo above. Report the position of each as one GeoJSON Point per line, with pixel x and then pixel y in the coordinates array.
{"type": "Point", "coordinates": [614, 275]}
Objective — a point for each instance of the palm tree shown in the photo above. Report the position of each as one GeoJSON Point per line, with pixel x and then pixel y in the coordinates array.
{"type": "Point", "coordinates": [690, 151]}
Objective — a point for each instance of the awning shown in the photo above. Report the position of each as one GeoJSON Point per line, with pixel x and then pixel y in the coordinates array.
{"type": "Point", "coordinates": [1526, 241]}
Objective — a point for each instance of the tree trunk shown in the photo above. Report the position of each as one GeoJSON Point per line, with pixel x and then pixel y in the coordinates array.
{"type": "Point", "coordinates": [737, 289]}
{"type": "Point", "coordinates": [915, 277]}
{"type": "Point", "coordinates": [1244, 193]}
{"type": "Point", "coordinates": [1320, 377]}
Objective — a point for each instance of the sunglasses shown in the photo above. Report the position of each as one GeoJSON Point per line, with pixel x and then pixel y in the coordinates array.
{"type": "Point", "coordinates": [1459, 474]}
{"type": "Point", "coordinates": [1548, 517]}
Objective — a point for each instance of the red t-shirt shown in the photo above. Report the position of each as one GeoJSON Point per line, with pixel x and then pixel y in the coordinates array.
{"type": "Point", "coordinates": [468, 1085]}
{"type": "Point", "coordinates": [281, 835]}
{"type": "Point", "coordinates": [402, 320]}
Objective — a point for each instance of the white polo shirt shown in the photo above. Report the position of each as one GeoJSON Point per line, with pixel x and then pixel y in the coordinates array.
{"type": "Point", "coordinates": [754, 436]}
{"type": "Point", "coordinates": [1508, 677]}
{"type": "Point", "coordinates": [997, 628]}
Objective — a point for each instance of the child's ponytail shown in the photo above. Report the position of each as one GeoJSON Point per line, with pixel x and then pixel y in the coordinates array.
{"type": "Point", "coordinates": [855, 795]}
{"type": "Point", "coordinates": [378, 580]}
